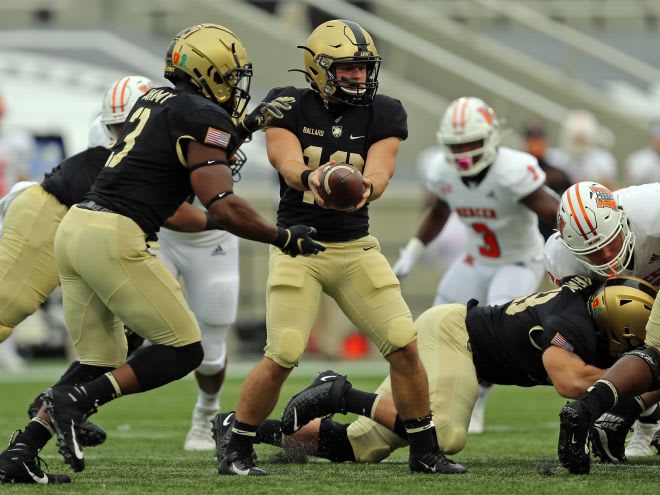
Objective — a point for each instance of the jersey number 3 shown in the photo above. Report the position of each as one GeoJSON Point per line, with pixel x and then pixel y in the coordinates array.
{"type": "Point", "coordinates": [142, 115]}
{"type": "Point", "coordinates": [491, 248]}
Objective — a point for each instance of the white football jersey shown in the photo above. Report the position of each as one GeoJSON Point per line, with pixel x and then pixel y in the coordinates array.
{"type": "Point", "coordinates": [642, 207]}
{"type": "Point", "coordinates": [500, 227]}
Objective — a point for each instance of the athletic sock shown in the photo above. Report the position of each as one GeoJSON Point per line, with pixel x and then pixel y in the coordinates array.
{"type": "Point", "coordinates": [362, 403]}
{"type": "Point", "coordinates": [36, 434]}
{"type": "Point", "coordinates": [242, 438]}
{"type": "Point", "coordinates": [421, 435]}
{"type": "Point", "coordinates": [600, 398]}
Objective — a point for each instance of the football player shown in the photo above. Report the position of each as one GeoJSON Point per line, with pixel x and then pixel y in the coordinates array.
{"type": "Point", "coordinates": [340, 119]}
{"type": "Point", "coordinates": [576, 331]}
{"type": "Point", "coordinates": [207, 262]}
{"type": "Point", "coordinates": [499, 195]}
{"type": "Point", "coordinates": [28, 274]}
{"type": "Point", "coordinates": [177, 141]}
{"type": "Point", "coordinates": [601, 233]}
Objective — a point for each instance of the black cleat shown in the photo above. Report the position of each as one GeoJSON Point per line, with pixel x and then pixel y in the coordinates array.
{"type": "Point", "coordinates": [326, 395]}
{"type": "Point", "coordinates": [221, 429]}
{"type": "Point", "coordinates": [573, 447]}
{"type": "Point", "coordinates": [21, 464]}
{"type": "Point", "coordinates": [434, 462]}
{"type": "Point", "coordinates": [67, 414]}
{"type": "Point", "coordinates": [89, 434]}
{"type": "Point", "coordinates": [655, 441]}
{"type": "Point", "coordinates": [241, 464]}
{"type": "Point", "coordinates": [608, 436]}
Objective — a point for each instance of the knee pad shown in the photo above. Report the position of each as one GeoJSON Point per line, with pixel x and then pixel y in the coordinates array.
{"type": "Point", "coordinates": [215, 349]}
{"type": "Point", "coordinates": [290, 346]}
{"type": "Point", "coordinates": [399, 333]}
{"type": "Point", "coordinates": [5, 332]}
{"type": "Point", "coordinates": [333, 442]}
{"type": "Point", "coordinates": [158, 365]}
{"type": "Point", "coordinates": [652, 358]}
{"type": "Point", "coordinates": [451, 440]}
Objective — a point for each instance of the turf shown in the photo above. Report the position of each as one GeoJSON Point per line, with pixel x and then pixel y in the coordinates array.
{"type": "Point", "coordinates": [143, 454]}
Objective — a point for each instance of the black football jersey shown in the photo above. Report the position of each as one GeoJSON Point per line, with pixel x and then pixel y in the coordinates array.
{"type": "Point", "coordinates": [73, 178]}
{"type": "Point", "coordinates": [145, 177]}
{"type": "Point", "coordinates": [508, 341]}
{"type": "Point", "coordinates": [335, 132]}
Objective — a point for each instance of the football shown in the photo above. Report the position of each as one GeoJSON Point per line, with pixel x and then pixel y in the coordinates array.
{"type": "Point", "coordinates": [342, 186]}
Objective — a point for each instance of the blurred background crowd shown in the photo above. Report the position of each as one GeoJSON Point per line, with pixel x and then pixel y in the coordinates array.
{"type": "Point", "coordinates": [577, 83]}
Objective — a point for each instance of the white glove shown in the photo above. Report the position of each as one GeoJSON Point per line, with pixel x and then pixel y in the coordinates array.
{"type": "Point", "coordinates": [408, 257]}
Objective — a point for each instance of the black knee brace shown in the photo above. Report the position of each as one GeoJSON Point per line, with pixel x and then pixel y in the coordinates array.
{"type": "Point", "coordinates": [652, 358]}
{"type": "Point", "coordinates": [333, 442]}
{"type": "Point", "coordinates": [158, 365]}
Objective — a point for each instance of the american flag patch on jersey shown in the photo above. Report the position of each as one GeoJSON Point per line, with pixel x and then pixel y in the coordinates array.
{"type": "Point", "coordinates": [560, 341]}
{"type": "Point", "coordinates": [217, 138]}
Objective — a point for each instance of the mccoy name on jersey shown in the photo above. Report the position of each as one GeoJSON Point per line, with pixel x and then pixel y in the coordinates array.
{"type": "Point", "coordinates": [500, 228]}
{"type": "Point", "coordinates": [338, 132]}
{"type": "Point", "coordinates": [508, 341]}
{"type": "Point", "coordinates": [146, 177]}
{"type": "Point", "coordinates": [641, 205]}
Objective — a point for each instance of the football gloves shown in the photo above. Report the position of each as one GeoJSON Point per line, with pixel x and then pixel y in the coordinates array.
{"type": "Point", "coordinates": [297, 240]}
{"type": "Point", "coordinates": [261, 117]}
{"type": "Point", "coordinates": [408, 257]}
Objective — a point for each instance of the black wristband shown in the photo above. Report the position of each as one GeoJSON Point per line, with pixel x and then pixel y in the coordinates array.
{"type": "Point", "coordinates": [304, 178]}
{"type": "Point", "coordinates": [282, 237]}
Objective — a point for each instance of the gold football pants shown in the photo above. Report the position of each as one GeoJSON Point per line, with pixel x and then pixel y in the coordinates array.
{"type": "Point", "coordinates": [109, 277]}
{"type": "Point", "coordinates": [356, 275]}
{"type": "Point", "coordinates": [28, 273]}
{"type": "Point", "coordinates": [442, 342]}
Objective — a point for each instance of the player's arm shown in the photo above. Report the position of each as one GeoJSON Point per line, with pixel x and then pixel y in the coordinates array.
{"type": "Point", "coordinates": [569, 374]}
{"type": "Point", "coordinates": [379, 168]}
{"type": "Point", "coordinates": [433, 221]}
{"type": "Point", "coordinates": [187, 218]}
{"type": "Point", "coordinates": [214, 186]}
{"type": "Point", "coordinates": [544, 202]}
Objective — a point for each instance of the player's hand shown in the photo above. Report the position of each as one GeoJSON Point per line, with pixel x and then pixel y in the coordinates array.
{"type": "Point", "coordinates": [366, 195]}
{"type": "Point", "coordinates": [408, 257]}
{"type": "Point", "coordinates": [263, 115]}
{"type": "Point", "coordinates": [315, 183]}
{"type": "Point", "coordinates": [297, 240]}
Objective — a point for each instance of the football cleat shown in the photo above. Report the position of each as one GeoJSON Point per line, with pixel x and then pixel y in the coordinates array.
{"type": "Point", "coordinates": [655, 441]}
{"type": "Point", "coordinates": [200, 438]}
{"type": "Point", "coordinates": [89, 434]}
{"type": "Point", "coordinates": [221, 430]}
{"type": "Point", "coordinates": [326, 395]}
{"type": "Point", "coordinates": [21, 464]}
{"type": "Point", "coordinates": [640, 442]}
{"type": "Point", "coordinates": [434, 462]}
{"type": "Point", "coordinates": [234, 462]}
{"type": "Point", "coordinates": [67, 415]}
{"type": "Point", "coordinates": [608, 436]}
{"type": "Point", "coordinates": [573, 447]}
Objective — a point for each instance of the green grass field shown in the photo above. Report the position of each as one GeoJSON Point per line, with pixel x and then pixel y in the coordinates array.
{"type": "Point", "coordinates": [143, 453]}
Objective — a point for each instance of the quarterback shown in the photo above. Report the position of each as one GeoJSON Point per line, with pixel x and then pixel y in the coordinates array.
{"type": "Point", "coordinates": [575, 330]}
{"type": "Point", "coordinates": [600, 233]}
{"type": "Point", "coordinates": [177, 141]}
{"type": "Point", "coordinates": [498, 194]}
{"type": "Point", "coordinates": [339, 119]}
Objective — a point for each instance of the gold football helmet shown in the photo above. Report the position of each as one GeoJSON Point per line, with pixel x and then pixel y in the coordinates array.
{"type": "Point", "coordinates": [341, 42]}
{"type": "Point", "coordinates": [620, 309]}
{"type": "Point", "coordinates": [213, 59]}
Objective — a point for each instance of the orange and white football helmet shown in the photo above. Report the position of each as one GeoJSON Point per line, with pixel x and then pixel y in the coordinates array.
{"type": "Point", "coordinates": [588, 220]}
{"type": "Point", "coordinates": [469, 120]}
{"type": "Point", "coordinates": [119, 99]}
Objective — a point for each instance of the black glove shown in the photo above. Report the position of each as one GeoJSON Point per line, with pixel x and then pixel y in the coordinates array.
{"type": "Point", "coordinates": [297, 240]}
{"type": "Point", "coordinates": [261, 117]}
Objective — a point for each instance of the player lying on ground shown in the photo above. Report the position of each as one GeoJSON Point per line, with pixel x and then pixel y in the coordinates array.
{"type": "Point", "coordinates": [567, 346]}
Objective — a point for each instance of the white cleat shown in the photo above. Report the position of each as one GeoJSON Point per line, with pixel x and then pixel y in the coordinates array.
{"type": "Point", "coordinates": [639, 443]}
{"type": "Point", "coordinates": [200, 438]}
